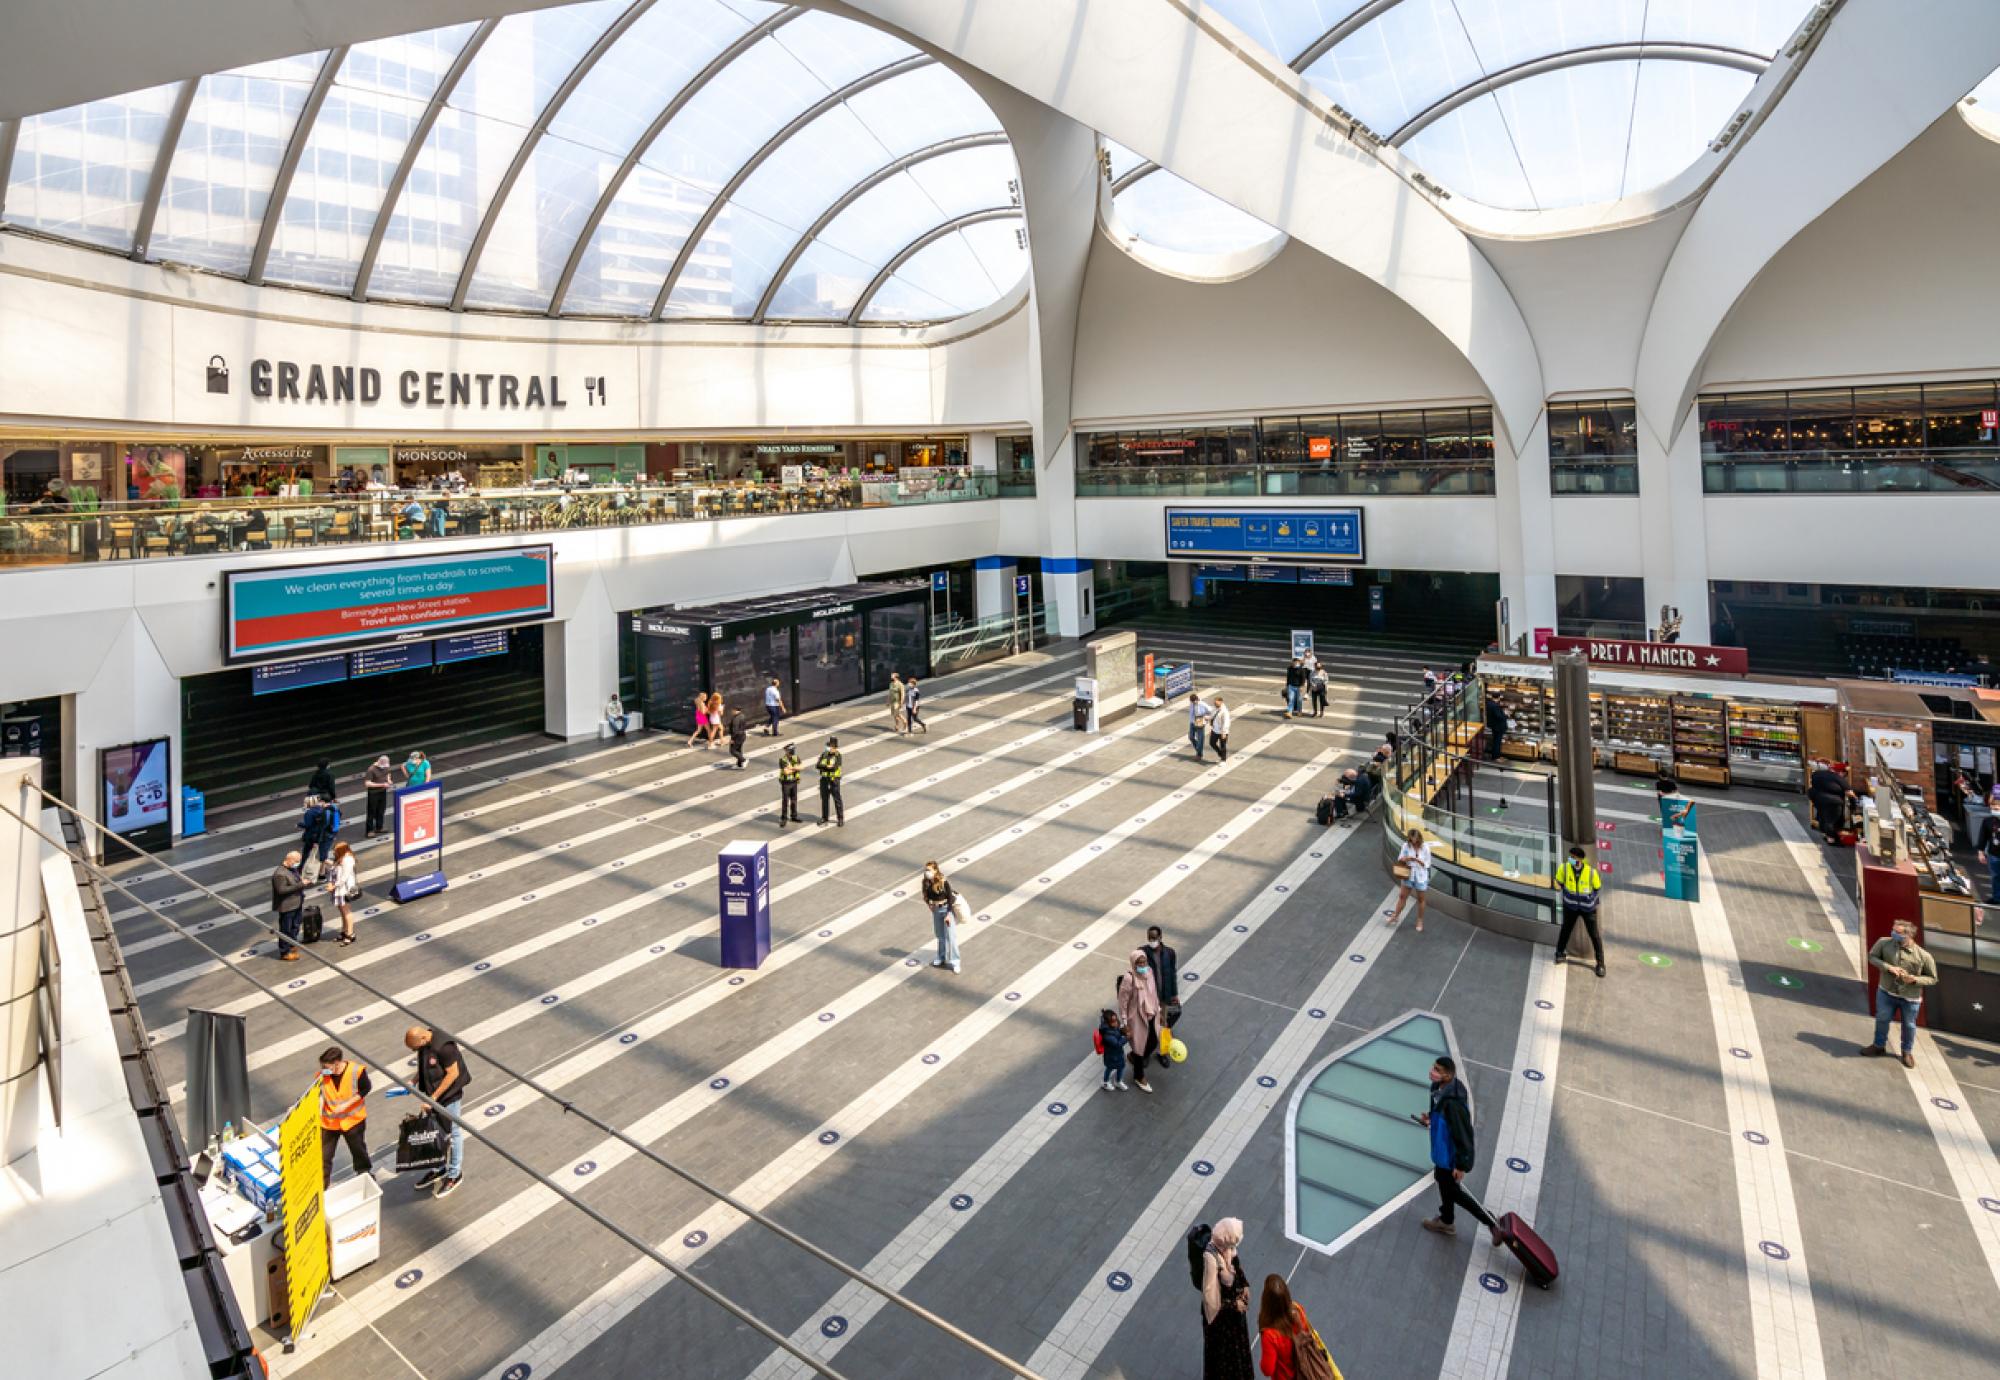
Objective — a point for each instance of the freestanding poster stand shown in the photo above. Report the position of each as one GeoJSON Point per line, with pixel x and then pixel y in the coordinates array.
{"type": "Point", "coordinates": [743, 875]}
{"type": "Point", "coordinates": [419, 834]}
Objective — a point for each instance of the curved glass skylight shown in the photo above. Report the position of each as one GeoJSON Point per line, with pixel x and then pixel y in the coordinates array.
{"type": "Point", "coordinates": [1174, 214]}
{"type": "Point", "coordinates": [687, 159]}
{"type": "Point", "coordinates": [1531, 104]}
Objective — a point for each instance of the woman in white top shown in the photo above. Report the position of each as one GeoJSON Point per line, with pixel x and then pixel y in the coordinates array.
{"type": "Point", "coordinates": [341, 887]}
{"type": "Point", "coordinates": [1218, 730]}
{"type": "Point", "coordinates": [1414, 862]}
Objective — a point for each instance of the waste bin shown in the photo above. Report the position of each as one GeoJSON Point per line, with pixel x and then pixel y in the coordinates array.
{"type": "Point", "coordinates": [354, 1223]}
{"type": "Point", "coordinates": [1080, 715]}
{"type": "Point", "coordinates": [194, 812]}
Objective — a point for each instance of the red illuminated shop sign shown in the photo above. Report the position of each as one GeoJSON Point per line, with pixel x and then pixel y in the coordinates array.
{"type": "Point", "coordinates": [1685, 657]}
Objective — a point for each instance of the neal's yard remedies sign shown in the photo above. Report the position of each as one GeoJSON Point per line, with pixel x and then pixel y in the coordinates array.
{"type": "Point", "coordinates": [1685, 657]}
{"type": "Point", "coordinates": [283, 612]}
{"type": "Point", "coordinates": [1292, 536]}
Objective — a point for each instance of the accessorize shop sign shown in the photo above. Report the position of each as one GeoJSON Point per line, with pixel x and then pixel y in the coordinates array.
{"type": "Point", "coordinates": [289, 610]}
{"type": "Point", "coordinates": [1686, 657]}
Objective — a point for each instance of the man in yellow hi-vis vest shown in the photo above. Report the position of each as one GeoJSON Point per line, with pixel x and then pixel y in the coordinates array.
{"type": "Point", "coordinates": [1580, 886]}
{"type": "Point", "coordinates": [343, 1110]}
{"type": "Point", "coordinates": [828, 767]}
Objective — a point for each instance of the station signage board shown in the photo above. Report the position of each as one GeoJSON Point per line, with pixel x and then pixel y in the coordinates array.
{"type": "Point", "coordinates": [1686, 657]}
{"type": "Point", "coordinates": [285, 611]}
{"type": "Point", "coordinates": [1293, 536]}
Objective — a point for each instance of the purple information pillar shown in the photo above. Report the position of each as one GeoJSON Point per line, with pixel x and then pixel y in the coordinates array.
{"type": "Point", "coordinates": [743, 874]}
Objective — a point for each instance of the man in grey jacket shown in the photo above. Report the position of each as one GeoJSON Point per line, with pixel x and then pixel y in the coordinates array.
{"type": "Point", "coordinates": [288, 903]}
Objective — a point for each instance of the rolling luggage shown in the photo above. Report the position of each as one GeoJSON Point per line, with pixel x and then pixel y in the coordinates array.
{"type": "Point", "coordinates": [310, 925]}
{"type": "Point", "coordinates": [1534, 1254]}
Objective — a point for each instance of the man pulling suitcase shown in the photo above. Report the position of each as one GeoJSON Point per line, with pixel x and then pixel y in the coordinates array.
{"type": "Point", "coordinates": [1452, 1154]}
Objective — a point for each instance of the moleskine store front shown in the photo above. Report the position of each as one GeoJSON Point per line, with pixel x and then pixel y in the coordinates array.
{"type": "Point", "coordinates": [822, 647]}
{"type": "Point", "coordinates": [1665, 709]}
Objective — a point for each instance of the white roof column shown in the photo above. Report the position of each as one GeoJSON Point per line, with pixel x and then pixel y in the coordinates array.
{"type": "Point", "coordinates": [1057, 158]}
{"type": "Point", "coordinates": [1527, 531]}
{"type": "Point", "coordinates": [1180, 87]}
{"type": "Point", "coordinates": [1673, 528]}
{"type": "Point", "coordinates": [1884, 70]}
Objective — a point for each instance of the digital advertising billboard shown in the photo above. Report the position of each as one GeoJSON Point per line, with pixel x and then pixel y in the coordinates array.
{"type": "Point", "coordinates": [289, 611]}
{"type": "Point", "coordinates": [135, 791]}
{"type": "Point", "coordinates": [1300, 536]}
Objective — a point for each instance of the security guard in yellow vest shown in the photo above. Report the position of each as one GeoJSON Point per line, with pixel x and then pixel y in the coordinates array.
{"type": "Point", "coordinates": [829, 782]}
{"type": "Point", "coordinates": [343, 1110]}
{"type": "Point", "coordinates": [1580, 885]}
{"type": "Point", "coordinates": [789, 768]}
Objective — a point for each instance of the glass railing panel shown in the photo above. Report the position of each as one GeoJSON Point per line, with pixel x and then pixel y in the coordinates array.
{"type": "Point", "coordinates": [1971, 470]}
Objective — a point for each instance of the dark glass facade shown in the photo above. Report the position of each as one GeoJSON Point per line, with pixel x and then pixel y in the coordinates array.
{"type": "Point", "coordinates": [1882, 438]}
{"type": "Point", "coordinates": [1443, 450]}
{"type": "Point", "coordinates": [1594, 447]}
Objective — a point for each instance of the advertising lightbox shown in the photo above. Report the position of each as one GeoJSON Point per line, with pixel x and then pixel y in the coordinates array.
{"type": "Point", "coordinates": [286, 611]}
{"type": "Point", "coordinates": [1313, 536]}
{"type": "Point", "coordinates": [135, 792]}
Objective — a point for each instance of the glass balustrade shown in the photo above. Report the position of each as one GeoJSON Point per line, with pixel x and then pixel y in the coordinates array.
{"type": "Point", "coordinates": [44, 534]}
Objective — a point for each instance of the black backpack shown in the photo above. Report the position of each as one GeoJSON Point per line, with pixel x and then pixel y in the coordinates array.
{"type": "Point", "coordinates": [1324, 813]}
{"type": "Point", "coordinates": [1197, 1244]}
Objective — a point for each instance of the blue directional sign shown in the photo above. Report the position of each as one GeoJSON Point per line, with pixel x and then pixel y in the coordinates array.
{"type": "Point", "coordinates": [1297, 536]}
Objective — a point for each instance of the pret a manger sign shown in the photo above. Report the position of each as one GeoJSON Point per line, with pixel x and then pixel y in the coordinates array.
{"type": "Point", "coordinates": [1685, 657]}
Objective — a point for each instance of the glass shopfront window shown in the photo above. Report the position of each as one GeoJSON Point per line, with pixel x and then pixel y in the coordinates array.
{"type": "Point", "coordinates": [830, 668]}
{"type": "Point", "coordinates": [1593, 447]}
{"type": "Point", "coordinates": [1893, 438]}
{"type": "Point", "coordinates": [898, 643]}
{"type": "Point", "coordinates": [1015, 458]}
{"type": "Point", "coordinates": [1432, 451]}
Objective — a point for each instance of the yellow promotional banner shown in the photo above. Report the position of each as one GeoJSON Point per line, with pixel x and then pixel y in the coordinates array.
{"type": "Point", "coordinates": [304, 1190]}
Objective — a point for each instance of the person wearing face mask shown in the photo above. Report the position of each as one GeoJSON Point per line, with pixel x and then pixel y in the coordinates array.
{"type": "Point", "coordinates": [942, 902]}
{"type": "Point", "coordinates": [1139, 1011]}
{"type": "Point", "coordinates": [343, 1110]}
{"type": "Point", "coordinates": [1580, 886]}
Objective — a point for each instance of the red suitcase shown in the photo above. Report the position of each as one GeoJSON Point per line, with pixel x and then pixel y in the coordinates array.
{"type": "Point", "coordinates": [1533, 1252]}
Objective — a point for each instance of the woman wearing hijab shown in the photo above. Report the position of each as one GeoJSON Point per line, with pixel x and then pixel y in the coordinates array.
{"type": "Point", "coordinates": [1139, 1013]}
{"type": "Point", "coordinates": [377, 782]}
{"type": "Point", "coordinates": [1225, 1305]}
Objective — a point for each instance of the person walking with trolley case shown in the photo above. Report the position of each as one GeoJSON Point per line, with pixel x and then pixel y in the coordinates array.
{"type": "Point", "coordinates": [789, 768]}
{"type": "Point", "coordinates": [828, 767]}
{"type": "Point", "coordinates": [1449, 1121]}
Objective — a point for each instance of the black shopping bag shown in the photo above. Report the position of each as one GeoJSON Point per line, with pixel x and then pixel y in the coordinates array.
{"type": "Point", "coordinates": [422, 1143]}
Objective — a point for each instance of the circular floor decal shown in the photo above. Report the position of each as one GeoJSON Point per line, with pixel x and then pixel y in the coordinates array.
{"type": "Point", "coordinates": [1756, 1138]}
{"type": "Point", "coordinates": [695, 1239]}
{"type": "Point", "coordinates": [408, 1278]}
{"type": "Point", "coordinates": [718, 1083]}
{"type": "Point", "coordinates": [1656, 960]}
{"type": "Point", "coordinates": [1492, 1283]}
{"type": "Point", "coordinates": [1774, 1250]}
{"type": "Point", "coordinates": [1119, 1281]}
{"type": "Point", "coordinates": [1266, 1081]}
{"type": "Point", "coordinates": [829, 1137]}
{"type": "Point", "coordinates": [1739, 1051]}
{"type": "Point", "coordinates": [1806, 946]}
{"type": "Point", "coordinates": [835, 1326]}
{"type": "Point", "coordinates": [1944, 1104]}
{"type": "Point", "coordinates": [1785, 980]}
{"type": "Point", "coordinates": [1533, 1075]}
{"type": "Point", "coordinates": [1543, 1004]}
{"type": "Point", "coordinates": [1517, 1164]}
{"type": "Point", "coordinates": [1203, 1168]}
{"type": "Point", "coordinates": [961, 1201]}
{"type": "Point", "coordinates": [1058, 1108]}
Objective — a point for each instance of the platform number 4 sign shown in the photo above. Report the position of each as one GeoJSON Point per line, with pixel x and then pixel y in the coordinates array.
{"type": "Point", "coordinates": [596, 391]}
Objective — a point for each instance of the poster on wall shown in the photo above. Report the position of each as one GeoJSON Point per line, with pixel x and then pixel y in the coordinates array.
{"type": "Point", "coordinates": [135, 791]}
{"type": "Point", "coordinates": [1898, 746]}
{"type": "Point", "coordinates": [284, 611]}
{"type": "Point", "coordinates": [156, 473]}
{"type": "Point", "coordinates": [1303, 535]}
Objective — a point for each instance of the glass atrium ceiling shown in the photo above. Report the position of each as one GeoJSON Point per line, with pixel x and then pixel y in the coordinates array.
{"type": "Point", "coordinates": [678, 159]}
{"type": "Point", "coordinates": [1531, 104]}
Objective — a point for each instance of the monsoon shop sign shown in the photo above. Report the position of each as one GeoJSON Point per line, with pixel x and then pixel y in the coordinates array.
{"type": "Point", "coordinates": [290, 610]}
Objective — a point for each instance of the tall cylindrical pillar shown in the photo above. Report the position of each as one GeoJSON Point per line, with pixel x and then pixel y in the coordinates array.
{"type": "Point", "coordinates": [1576, 784]}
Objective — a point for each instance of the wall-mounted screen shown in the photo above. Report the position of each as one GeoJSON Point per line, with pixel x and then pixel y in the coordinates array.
{"type": "Point", "coordinates": [1292, 536]}
{"type": "Point", "coordinates": [135, 791]}
{"type": "Point", "coordinates": [286, 611]}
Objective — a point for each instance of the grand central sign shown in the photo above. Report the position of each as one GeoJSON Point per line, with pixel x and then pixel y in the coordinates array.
{"type": "Point", "coordinates": [289, 381]}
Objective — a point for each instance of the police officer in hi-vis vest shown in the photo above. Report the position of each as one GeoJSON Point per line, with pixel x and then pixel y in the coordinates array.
{"type": "Point", "coordinates": [789, 768]}
{"type": "Point", "coordinates": [829, 783]}
{"type": "Point", "coordinates": [343, 1110]}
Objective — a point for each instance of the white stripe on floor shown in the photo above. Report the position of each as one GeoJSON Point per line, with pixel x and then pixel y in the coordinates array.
{"type": "Point", "coordinates": [437, 1263]}
{"type": "Point", "coordinates": [1968, 1154]}
{"type": "Point", "coordinates": [709, 768]}
{"type": "Point", "coordinates": [1784, 1325]}
{"type": "Point", "coordinates": [564, 1339]}
{"type": "Point", "coordinates": [464, 922]}
{"type": "Point", "coordinates": [834, 1323]}
{"type": "Point", "coordinates": [1480, 1343]}
{"type": "Point", "coordinates": [665, 944]}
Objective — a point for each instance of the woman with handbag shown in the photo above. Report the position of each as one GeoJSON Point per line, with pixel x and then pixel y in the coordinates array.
{"type": "Point", "coordinates": [1139, 1011]}
{"type": "Point", "coordinates": [342, 887]}
{"type": "Point", "coordinates": [946, 909]}
{"type": "Point", "coordinates": [1288, 1345]}
{"type": "Point", "coordinates": [1225, 1305]}
{"type": "Point", "coordinates": [1413, 874]}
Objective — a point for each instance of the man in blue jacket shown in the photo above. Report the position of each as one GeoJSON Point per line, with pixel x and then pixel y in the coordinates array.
{"type": "Point", "coordinates": [1450, 1123]}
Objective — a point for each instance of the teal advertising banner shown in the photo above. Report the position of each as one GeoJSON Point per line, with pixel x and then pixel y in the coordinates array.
{"type": "Point", "coordinates": [1680, 848]}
